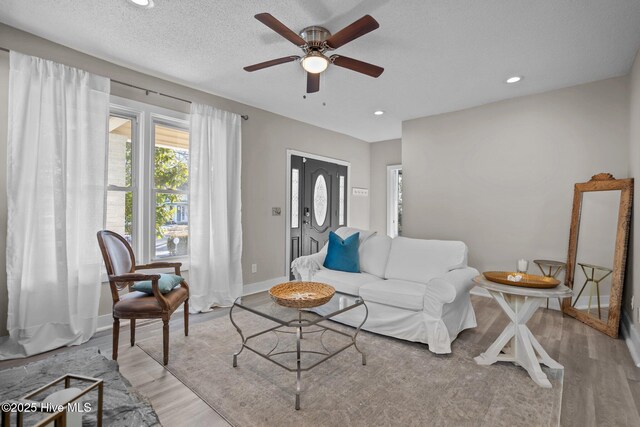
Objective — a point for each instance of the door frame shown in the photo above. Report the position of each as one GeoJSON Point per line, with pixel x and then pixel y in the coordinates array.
{"type": "Point", "coordinates": [287, 201]}
{"type": "Point", "coordinates": [392, 198]}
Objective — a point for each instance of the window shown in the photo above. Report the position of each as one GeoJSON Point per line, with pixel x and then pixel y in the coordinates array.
{"type": "Point", "coordinates": [147, 198]}
{"type": "Point", "coordinates": [295, 206]}
{"type": "Point", "coordinates": [320, 205]}
{"type": "Point", "coordinates": [394, 200]}
{"type": "Point", "coordinates": [171, 186]}
{"type": "Point", "coordinates": [341, 201]}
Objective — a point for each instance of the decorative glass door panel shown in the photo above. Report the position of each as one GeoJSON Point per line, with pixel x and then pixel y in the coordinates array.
{"type": "Point", "coordinates": [320, 202]}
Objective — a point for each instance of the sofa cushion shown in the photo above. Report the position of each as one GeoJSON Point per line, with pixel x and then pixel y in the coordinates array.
{"type": "Point", "coordinates": [342, 254]}
{"type": "Point", "coordinates": [396, 293]}
{"type": "Point", "coordinates": [374, 254]}
{"type": "Point", "coordinates": [348, 283]}
{"type": "Point", "coordinates": [419, 260]}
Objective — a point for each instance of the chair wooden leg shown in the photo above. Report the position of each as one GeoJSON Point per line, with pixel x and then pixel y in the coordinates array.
{"type": "Point", "coordinates": [133, 332]}
{"type": "Point", "coordinates": [165, 340]}
{"type": "Point", "coordinates": [186, 318]}
{"type": "Point", "coordinates": [116, 335]}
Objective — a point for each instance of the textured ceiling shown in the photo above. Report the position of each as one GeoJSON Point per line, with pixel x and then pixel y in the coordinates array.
{"type": "Point", "coordinates": [438, 56]}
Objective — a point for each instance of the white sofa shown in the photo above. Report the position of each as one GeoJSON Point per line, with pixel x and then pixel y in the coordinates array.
{"type": "Point", "coordinates": [415, 290]}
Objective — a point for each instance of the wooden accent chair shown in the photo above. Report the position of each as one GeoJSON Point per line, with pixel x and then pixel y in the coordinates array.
{"type": "Point", "coordinates": [122, 270]}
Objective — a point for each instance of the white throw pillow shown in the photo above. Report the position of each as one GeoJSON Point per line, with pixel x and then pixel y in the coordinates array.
{"type": "Point", "coordinates": [345, 232]}
{"type": "Point", "coordinates": [374, 254]}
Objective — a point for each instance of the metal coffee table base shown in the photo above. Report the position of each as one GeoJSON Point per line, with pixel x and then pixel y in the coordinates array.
{"type": "Point", "coordinates": [298, 325]}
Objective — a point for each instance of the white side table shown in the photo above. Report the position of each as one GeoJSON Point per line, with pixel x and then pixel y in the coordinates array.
{"type": "Point", "coordinates": [516, 343]}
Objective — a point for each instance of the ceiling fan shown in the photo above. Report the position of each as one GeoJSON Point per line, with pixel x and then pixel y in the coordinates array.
{"type": "Point", "coordinates": [316, 42]}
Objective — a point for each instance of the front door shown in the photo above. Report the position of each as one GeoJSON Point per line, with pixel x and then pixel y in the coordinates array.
{"type": "Point", "coordinates": [318, 203]}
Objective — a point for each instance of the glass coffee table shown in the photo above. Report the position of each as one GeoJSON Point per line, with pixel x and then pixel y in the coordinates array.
{"type": "Point", "coordinates": [301, 323]}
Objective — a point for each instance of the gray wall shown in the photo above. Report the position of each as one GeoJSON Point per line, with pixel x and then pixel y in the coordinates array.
{"type": "Point", "coordinates": [265, 138]}
{"type": "Point", "coordinates": [500, 176]}
{"type": "Point", "coordinates": [633, 280]}
{"type": "Point", "coordinates": [383, 154]}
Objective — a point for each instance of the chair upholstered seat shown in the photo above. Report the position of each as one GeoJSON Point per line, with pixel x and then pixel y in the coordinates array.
{"type": "Point", "coordinates": [138, 304]}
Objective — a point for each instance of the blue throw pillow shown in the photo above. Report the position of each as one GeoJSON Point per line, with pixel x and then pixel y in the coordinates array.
{"type": "Point", "coordinates": [342, 255]}
{"type": "Point", "coordinates": [166, 283]}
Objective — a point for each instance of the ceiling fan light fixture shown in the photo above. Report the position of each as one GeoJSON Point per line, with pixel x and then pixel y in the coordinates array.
{"type": "Point", "coordinates": [147, 4]}
{"type": "Point", "coordinates": [315, 62]}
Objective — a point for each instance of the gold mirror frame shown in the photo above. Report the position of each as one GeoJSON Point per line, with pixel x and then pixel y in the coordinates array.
{"type": "Point", "coordinates": [602, 182]}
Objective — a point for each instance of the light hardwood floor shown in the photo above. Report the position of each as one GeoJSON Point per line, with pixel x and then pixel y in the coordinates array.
{"type": "Point", "coordinates": [601, 383]}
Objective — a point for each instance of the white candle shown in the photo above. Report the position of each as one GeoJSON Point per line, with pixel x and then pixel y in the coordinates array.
{"type": "Point", "coordinates": [523, 265]}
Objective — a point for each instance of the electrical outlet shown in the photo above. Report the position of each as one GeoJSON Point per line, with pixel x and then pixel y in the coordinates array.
{"type": "Point", "coordinates": [254, 268]}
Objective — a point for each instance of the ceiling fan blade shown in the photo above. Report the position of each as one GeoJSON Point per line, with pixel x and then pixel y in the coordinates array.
{"type": "Point", "coordinates": [355, 65]}
{"type": "Point", "coordinates": [359, 28]}
{"type": "Point", "coordinates": [313, 82]}
{"type": "Point", "coordinates": [271, 63]}
{"type": "Point", "coordinates": [277, 26]}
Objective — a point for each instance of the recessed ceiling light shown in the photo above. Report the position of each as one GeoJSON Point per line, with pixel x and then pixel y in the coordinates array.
{"type": "Point", "coordinates": [378, 112]}
{"type": "Point", "coordinates": [514, 79]}
{"type": "Point", "coordinates": [142, 3]}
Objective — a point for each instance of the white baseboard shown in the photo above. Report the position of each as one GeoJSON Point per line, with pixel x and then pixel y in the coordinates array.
{"type": "Point", "coordinates": [583, 302]}
{"type": "Point", "coordinates": [254, 288]}
{"type": "Point", "coordinates": [631, 335]}
{"type": "Point", "coordinates": [104, 322]}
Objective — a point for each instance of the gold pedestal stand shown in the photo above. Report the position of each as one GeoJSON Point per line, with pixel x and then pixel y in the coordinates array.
{"type": "Point", "coordinates": [589, 271]}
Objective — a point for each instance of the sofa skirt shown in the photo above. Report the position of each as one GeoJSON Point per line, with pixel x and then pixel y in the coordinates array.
{"type": "Point", "coordinates": [416, 326]}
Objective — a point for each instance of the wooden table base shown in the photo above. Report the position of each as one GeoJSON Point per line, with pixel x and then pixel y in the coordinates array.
{"type": "Point", "coordinates": [516, 343]}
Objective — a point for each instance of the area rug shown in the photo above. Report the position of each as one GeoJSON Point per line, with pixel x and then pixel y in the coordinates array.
{"type": "Point", "coordinates": [402, 384]}
{"type": "Point", "coordinates": [121, 406]}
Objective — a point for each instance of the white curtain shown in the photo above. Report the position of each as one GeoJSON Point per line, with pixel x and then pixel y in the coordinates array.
{"type": "Point", "coordinates": [56, 182]}
{"type": "Point", "coordinates": [215, 230]}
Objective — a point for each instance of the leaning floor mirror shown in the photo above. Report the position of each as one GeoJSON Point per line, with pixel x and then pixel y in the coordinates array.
{"type": "Point", "coordinates": [598, 251]}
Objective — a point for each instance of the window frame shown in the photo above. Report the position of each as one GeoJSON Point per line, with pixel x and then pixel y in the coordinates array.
{"type": "Point", "coordinates": [143, 129]}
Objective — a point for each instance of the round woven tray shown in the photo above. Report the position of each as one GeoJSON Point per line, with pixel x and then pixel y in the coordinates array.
{"type": "Point", "coordinates": [302, 294]}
